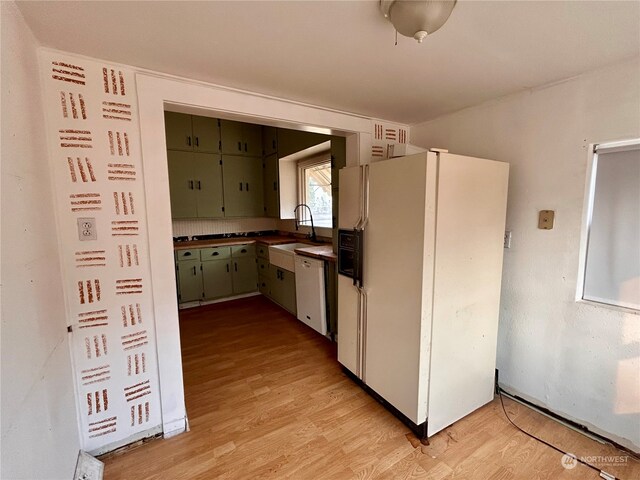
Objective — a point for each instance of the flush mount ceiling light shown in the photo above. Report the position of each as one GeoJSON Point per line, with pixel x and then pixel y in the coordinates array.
{"type": "Point", "coordinates": [417, 18]}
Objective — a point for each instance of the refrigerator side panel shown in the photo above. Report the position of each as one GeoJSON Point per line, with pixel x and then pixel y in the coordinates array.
{"type": "Point", "coordinates": [350, 197]}
{"type": "Point", "coordinates": [472, 197]}
{"type": "Point", "coordinates": [393, 272]}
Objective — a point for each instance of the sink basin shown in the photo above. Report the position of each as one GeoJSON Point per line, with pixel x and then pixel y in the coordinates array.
{"type": "Point", "coordinates": [282, 255]}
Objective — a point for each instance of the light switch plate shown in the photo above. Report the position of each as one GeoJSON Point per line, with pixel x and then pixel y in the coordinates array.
{"type": "Point", "coordinates": [545, 219]}
{"type": "Point", "coordinates": [87, 229]}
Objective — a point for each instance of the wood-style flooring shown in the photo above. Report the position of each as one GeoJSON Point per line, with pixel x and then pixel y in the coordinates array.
{"type": "Point", "coordinates": [266, 398]}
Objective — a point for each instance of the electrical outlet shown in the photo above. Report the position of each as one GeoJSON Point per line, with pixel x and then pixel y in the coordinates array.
{"type": "Point", "coordinates": [507, 239]}
{"type": "Point", "coordinates": [88, 467]}
{"type": "Point", "coordinates": [87, 229]}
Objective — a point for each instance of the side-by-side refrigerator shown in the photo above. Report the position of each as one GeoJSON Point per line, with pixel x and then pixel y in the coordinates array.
{"type": "Point", "coordinates": [420, 249]}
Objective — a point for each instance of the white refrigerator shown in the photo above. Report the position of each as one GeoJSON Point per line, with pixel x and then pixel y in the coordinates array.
{"type": "Point", "coordinates": [420, 266]}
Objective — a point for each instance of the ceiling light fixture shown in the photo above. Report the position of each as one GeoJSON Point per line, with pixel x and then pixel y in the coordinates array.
{"type": "Point", "coordinates": [417, 18]}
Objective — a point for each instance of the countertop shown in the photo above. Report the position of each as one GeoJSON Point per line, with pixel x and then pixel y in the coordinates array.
{"type": "Point", "coordinates": [323, 252]}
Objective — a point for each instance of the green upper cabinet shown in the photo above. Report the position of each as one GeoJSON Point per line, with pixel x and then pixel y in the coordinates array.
{"type": "Point", "coordinates": [206, 134]}
{"type": "Point", "coordinates": [243, 187]}
{"type": "Point", "coordinates": [191, 133]}
{"type": "Point", "coordinates": [240, 138]}
{"type": "Point", "coordinates": [269, 140]}
{"type": "Point", "coordinates": [195, 185]}
{"type": "Point", "coordinates": [208, 185]}
{"type": "Point", "coordinates": [271, 186]}
{"type": "Point", "coordinates": [178, 131]}
{"type": "Point", "coordinates": [181, 184]}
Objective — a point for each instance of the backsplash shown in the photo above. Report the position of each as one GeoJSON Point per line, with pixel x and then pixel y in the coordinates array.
{"type": "Point", "coordinates": [203, 226]}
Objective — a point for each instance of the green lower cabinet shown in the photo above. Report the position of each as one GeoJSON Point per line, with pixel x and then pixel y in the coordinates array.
{"type": "Point", "coordinates": [216, 279]}
{"type": "Point", "coordinates": [245, 275]}
{"type": "Point", "coordinates": [289, 291]}
{"type": "Point", "coordinates": [283, 288]}
{"type": "Point", "coordinates": [189, 281]}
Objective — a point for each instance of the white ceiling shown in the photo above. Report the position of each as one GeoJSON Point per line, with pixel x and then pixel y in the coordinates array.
{"type": "Point", "coordinates": [341, 54]}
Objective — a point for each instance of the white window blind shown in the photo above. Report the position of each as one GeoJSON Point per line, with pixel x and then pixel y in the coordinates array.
{"type": "Point", "coordinates": [612, 267]}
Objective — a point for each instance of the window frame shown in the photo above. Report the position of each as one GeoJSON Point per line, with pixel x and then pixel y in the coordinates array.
{"type": "Point", "coordinates": [588, 202]}
{"type": "Point", "coordinates": [302, 165]}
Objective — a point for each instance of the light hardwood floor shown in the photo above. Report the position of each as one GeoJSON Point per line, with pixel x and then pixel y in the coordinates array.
{"type": "Point", "coordinates": [267, 399]}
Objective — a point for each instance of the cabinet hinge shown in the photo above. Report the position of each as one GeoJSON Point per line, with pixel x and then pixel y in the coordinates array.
{"type": "Point", "coordinates": [220, 146]}
{"type": "Point", "coordinates": [200, 267]}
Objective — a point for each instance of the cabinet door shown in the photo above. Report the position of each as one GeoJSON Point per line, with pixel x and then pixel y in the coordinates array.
{"type": "Point", "coordinates": [235, 198]}
{"type": "Point", "coordinates": [269, 140]}
{"type": "Point", "coordinates": [231, 137]}
{"type": "Point", "coordinates": [245, 275]}
{"type": "Point", "coordinates": [182, 184]}
{"type": "Point", "coordinates": [252, 139]}
{"type": "Point", "coordinates": [263, 285]}
{"type": "Point", "coordinates": [288, 281]}
{"type": "Point", "coordinates": [270, 185]}
{"type": "Point", "coordinates": [254, 186]}
{"type": "Point", "coordinates": [206, 134]}
{"type": "Point", "coordinates": [190, 278]}
{"type": "Point", "coordinates": [178, 131]}
{"type": "Point", "coordinates": [208, 185]}
{"type": "Point", "coordinates": [216, 278]}
{"type": "Point", "coordinates": [275, 284]}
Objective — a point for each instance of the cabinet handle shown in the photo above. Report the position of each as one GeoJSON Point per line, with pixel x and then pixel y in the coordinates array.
{"type": "Point", "coordinates": [275, 186]}
{"type": "Point", "coordinates": [197, 142]}
{"type": "Point", "coordinates": [245, 147]}
{"type": "Point", "coordinates": [187, 254]}
{"type": "Point", "coordinates": [274, 143]}
{"type": "Point", "coordinates": [199, 185]}
{"type": "Point", "coordinates": [244, 250]}
{"type": "Point", "coordinates": [247, 186]}
{"type": "Point", "coordinates": [235, 266]}
{"type": "Point", "coordinates": [227, 268]}
{"type": "Point", "coordinates": [215, 254]}
{"type": "Point", "coordinates": [188, 140]}
{"type": "Point", "coordinates": [240, 186]}
{"type": "Point", "coordinates": [194, 271]}
{"type": "Point", "coordinates": [240, 146]}
{"type": "Point", "coordinates": [190, 184]}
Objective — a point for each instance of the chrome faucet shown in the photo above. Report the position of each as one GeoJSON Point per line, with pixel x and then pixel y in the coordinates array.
{"type": "Point", "coordinates": [312, 236]}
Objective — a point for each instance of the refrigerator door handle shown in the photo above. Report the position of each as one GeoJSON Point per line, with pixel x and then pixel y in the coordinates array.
{"type": "Point", "coordinates": [359, 336]}
{"type": "Point", "coordinates": [363, 335]}
{"type": "Point", "coordinates": [365, 197]}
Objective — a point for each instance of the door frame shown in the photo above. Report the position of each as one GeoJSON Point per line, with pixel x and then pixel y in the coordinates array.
{"type": "Point", "coordinates": [157, 93]}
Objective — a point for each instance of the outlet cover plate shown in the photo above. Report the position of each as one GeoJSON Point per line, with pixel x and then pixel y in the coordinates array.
{"type": "Point", "coordinates": [87, 229]}
{"type": "Point", "coordinates": [545, 219]}
{"type": "Point", "coordinates": [88, 467]}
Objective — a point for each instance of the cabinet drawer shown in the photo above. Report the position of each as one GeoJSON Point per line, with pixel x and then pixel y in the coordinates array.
{"type": "Point", "coordinates": [214, 253]}
{"type": "Point", "coordinates": [243, 251]}
{"type": "Point", "coordinates": [263, 251]}
{"type": "Point", "coordinates": [183, 255]}
{"type": "Point", "coordinates": [263, 266]}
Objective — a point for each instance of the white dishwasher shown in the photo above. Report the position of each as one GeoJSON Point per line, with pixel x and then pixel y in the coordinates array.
{"type": "Point", "coordinates": [310, 294]}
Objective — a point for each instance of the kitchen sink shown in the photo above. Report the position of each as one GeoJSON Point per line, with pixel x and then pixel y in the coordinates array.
{"type": "Point", "coordinates": [283, 255]}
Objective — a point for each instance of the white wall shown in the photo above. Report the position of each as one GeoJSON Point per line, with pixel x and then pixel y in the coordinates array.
{"type": "Point", "coordinates": [39, 424]}
{"type": "Point", "coordinates": [580, 360]}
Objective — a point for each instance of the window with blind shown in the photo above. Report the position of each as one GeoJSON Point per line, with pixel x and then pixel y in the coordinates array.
{"type": "Point", "coordinates": [612, 263]}
{"type": "Point", "coordinates": [315, 190]}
